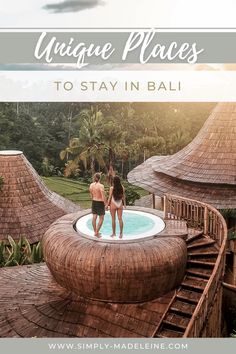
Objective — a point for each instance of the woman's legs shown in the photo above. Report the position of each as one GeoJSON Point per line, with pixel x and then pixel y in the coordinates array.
{"type": "Point", "coordinates": [113, 219]}
{"type": "Point", "coordinates": [119, 213]}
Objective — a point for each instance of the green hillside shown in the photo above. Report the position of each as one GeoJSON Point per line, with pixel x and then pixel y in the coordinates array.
{"type": "Point", "coordinates": [76, 191]}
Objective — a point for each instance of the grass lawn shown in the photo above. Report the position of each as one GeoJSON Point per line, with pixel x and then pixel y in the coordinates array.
{"type": "Point", "coordinates": [76, 191]}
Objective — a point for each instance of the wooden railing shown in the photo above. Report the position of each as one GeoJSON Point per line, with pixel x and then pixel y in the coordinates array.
{"type": "Point", "coordinates": [207, 219]}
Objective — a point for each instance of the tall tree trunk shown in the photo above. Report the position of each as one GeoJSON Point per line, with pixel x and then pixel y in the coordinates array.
{"type": "Point", "coordinates": [92, 165]}
{"type": "Point", "coordinates": [122, 168]}
{"type": "Point", "coordinates": [111, 174]}
{"type": "Point", "coordinates": [110, 158]}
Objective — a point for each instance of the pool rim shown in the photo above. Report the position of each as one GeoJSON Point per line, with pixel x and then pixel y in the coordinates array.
{"type": "Point", "coordinates": [116, 240]}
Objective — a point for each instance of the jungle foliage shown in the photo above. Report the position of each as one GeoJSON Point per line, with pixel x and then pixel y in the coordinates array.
{"type": "Point", "coordinates": [19, 252]}
{"type": "Point", "coordinates": [75, 139]}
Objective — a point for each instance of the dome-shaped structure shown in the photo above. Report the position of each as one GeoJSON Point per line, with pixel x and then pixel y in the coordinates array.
{"type": "Point", "coordinates": [115, 271]}
{"type": "Point", "coordinates": [43, 308]}
{"type": "Point", "coordinates": [205, 169]}
{"type": "Point", "coordinates": [27, 206]}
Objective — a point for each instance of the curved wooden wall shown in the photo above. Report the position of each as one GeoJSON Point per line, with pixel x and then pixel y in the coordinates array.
{"type": "Point", "coordinates": [115, 271]}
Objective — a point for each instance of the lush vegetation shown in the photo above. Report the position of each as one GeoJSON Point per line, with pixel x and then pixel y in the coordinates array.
{"type": "Point", "coordinates": [102, 136]}
{"type": "Point", "coordinates": [230, 217]}
{"type": "Point", "coordinates": [232, 235]}
{"type": "Point", "coordinates": [228, 213]}
{"type": "Point", "coordinates": [78, 191]}
{"type": "Point", "coordinates": [1, 183]}
{"type": "Point", "coordinates": [74, 140]}
{"type": "Point", "coordinates": [19, 252]}
{"type": "Point", "coordinates": [233, 334]}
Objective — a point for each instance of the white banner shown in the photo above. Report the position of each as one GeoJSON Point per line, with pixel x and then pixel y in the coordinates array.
{"type": "Point", "coordinates": [117, 86]}
{"type": "Point", "coordinates": [117, 345]}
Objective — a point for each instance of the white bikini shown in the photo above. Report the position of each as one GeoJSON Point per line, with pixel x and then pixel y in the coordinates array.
{"type": "Point", "coordinates": [117, 203]}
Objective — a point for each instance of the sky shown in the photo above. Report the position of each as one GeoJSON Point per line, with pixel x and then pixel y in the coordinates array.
{"type": "Point", "coordinates": [117, 13]}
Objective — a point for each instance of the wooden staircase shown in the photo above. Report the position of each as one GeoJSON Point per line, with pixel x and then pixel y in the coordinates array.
{"type": "Point", "coordinates": [202, 255]}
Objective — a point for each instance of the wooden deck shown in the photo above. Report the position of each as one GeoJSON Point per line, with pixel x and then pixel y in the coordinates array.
{"type": "Point", "coordinates": [32, 304]}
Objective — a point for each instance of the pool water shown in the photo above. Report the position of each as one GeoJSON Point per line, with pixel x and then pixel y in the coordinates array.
{"type": "Point", "coordinates": [137, 224]}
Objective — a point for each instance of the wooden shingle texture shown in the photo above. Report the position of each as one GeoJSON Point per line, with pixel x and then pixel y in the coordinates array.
{"type": "Point", "coordinates": [204, 170]}
{"type": "Point", "coordinates": [27, 206]}
{"type": "Point", "coordinates": [115, 270]}
{"type": "Point", "coordinates": [32, 304]}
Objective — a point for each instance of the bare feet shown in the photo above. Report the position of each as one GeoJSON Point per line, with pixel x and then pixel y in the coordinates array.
{"type": "Point", "coordinates": [99, 235]}
{"type": "Point", "coordinates": [121, 236]}
{"type": "Point", "coordinates": [113, 235]}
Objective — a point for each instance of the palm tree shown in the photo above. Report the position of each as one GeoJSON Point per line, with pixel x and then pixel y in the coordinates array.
{"type": "Point", "coordinates": [150, 145]}
{"type": "Point", "coordinates": [123, 152]}
{"type": "Point", "coordinates": [178, 141]}
{"type": "Point", "coordinates": [88, 148]}
{"type": "Point", "coordinates": [111, 135]}
{"type": "Point", "coordinates": [73, 149]}
{"type": "Point", "coordinates": [90, 138]}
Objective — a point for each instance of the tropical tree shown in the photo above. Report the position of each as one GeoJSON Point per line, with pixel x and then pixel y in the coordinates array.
{"type": "Point", "coordinates": [90, 138]}
{"type": "Point", "coordinates": [177, 141]}
{"type": "Point", "coordinates": [111, 135]}
{"type": "Point", "coordinates": [122, 152]}
{"type": "Point", "coordinates": [88, 148]}
{"type": "Point", "coordinates": [74, 150]}
{"type": "Point", "coordinates": [96, 134]}
{"type": "Point", "coordinates": [150, 145]}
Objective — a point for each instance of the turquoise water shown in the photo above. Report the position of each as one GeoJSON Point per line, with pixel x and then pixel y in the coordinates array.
{"type": "Point", "coordinates": [134, 224]}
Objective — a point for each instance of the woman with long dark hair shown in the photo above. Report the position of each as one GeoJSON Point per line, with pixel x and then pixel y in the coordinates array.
{"type": "Point", "coordinates": [116, 201]}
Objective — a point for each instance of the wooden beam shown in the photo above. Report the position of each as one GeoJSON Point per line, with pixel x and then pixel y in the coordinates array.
{"type": "Point", "coordinates": [153, 201]}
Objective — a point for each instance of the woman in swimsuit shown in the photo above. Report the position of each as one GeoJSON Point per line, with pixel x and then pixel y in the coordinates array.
{"type": "Point", "coordinates": [116, 201]}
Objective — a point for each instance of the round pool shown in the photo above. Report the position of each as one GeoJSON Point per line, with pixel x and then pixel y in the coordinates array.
{"type": "Point", "coordinates": [137, 224]}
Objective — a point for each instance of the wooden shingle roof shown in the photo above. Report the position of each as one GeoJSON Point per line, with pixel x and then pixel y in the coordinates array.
{"type": "Point", "coordinates": [204, 170]}
{"type": "Point", "coordinates": [27, 206]}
